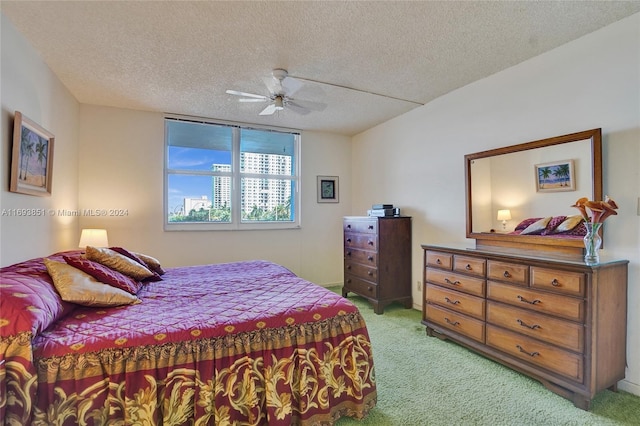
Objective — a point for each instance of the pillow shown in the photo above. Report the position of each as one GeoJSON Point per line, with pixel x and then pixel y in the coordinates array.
{"type": "Point", "coordinates": [151, 262]}
{"type": "Point", "coordinates": [104, 274]}
{"type": "Point", "coordinates": [118, 262]}
{"type": "Point", "coordinates": [569, 223]}
{"type": "Point", "coordinates": [553, 224]}
{"type": "Point", "coordinates": [523, 225]}
{"type": "Point", "coordinates": [81, 288]}
{"type": "Point", "coordinates": [132, 256]}
{"type": "Point", "coordinates": [536, 227]}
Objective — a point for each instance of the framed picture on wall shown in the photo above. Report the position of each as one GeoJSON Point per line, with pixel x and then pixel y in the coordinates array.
{"type": "Point", "coordinates": [32, 158]}
{"type": "Point", "coordinates": [328, 189]}
{"type": "Point", "coordinates": [556, 176]}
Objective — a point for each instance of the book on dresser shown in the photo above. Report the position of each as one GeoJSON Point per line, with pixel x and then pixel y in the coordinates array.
{"type": "Point", "coordinates": [377, 259]}
{"type": "Point", "coordinates": [561, 322]}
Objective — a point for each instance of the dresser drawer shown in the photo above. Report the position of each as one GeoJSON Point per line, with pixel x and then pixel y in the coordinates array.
{"type": "Point", "coordinates": [560, 281]}
{"type": "Point", "coordinates": [469, 265]}
{"type": "Point", "coordinates": [463, 283]}
{"type": "Point", "coordinates": [456, 301]}
{"type": "Point", "coordinates": [547, 303]}
{"type": "Point", "coordinates": [508, 272]}
{"type": "Point", "coordinates": [439, 260]}
{"type": "Point", "coordinates": [554, 359]}
{"type": "Point", "coordinates": [368, 272]}
{"type": "Point", "coordinates": [456, 322]}
{"type": "Point", "coordinates": [363, 241]}
{"type": "Point", "coordinates": [569, 335]}
{"type": "Point", "coordinates": [362, 226]}
{"type": "Point", "coordinates": [361, 256]}
{"type": "Point", "coordinates": [360, 286]}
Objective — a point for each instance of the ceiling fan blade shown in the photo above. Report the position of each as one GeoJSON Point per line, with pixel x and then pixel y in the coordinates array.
{"type": "Point", "coordinates": [269, 110]}
{"type": "Point", "coordinates": [253, 99]}
{"type": "Point", "coordinates": [291, 85]}
{"type": "Point", "coordinates": [309, 105]}
{"type": "Point", "coordinates": [273, 84]}
{"type": "Point", "coordinates": [248, 95]}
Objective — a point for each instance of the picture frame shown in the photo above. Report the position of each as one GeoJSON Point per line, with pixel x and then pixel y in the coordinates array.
{"type": "Point", "coordinates": [31, 158]}
{"type": "Point", "coordinates": [555, 176]}
{"type": "Point", "coordinates": [328, 189]}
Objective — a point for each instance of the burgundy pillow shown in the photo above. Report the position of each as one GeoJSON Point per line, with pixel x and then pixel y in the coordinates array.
{"type": "Point", "coordinates": [525, 223]}
{"type": "Point", "coordinates": [553, 224]}
{"type": "Point", "coordinates": [105, 274]}
{"type": "Point", "coordinates": [127, 253]}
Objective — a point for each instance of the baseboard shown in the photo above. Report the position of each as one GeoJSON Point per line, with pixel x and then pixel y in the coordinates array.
{"type": "Point", "coordinates": [627, 386]}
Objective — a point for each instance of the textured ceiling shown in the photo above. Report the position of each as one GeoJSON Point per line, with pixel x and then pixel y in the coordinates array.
{"type": "Point", "coordinates": [181, 56]}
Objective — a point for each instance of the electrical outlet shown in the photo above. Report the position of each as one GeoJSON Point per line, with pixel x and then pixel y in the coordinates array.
{"type": "Point", "coordinates": [419, 285]}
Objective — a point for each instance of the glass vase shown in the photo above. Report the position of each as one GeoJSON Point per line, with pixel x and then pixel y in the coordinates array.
{"type": "Point", "coordinates": [592, 243]}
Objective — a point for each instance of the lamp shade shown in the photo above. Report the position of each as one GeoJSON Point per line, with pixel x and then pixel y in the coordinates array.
{"type": "Point", "coordinates": [94, 238]}
{"type": "Point", "coordinates": [504, 214]}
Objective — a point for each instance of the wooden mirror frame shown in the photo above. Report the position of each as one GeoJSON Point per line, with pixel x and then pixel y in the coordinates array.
{"type": "Point", "coordinates": [546, 243]}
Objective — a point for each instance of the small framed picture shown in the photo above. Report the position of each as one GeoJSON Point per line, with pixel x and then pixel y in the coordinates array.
{"type": "Point", "coordinates": [328, 189]}
{"type": "Point", "coordinates": [31, 159]}
{"type": "Point", "coordinates": [556, 176]}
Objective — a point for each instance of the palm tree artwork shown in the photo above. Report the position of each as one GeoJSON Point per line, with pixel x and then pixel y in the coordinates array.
{"type": "Point", "coordinates": [33, 158]}
{"type": "Point", "coordinates": [555, 176]}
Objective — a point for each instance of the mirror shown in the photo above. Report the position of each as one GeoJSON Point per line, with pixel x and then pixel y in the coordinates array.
{"type": "Point", "coordinates": [531, 180]}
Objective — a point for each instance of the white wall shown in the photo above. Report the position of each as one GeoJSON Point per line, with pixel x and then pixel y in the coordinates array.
{"type": "Point", "coordinates": [30, 87]}
{"type": "Point", "coordinates": [589, 83]}
{"type": "Point", "coordinates": [121, 167]}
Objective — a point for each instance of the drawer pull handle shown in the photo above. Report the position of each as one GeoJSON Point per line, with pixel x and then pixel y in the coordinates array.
{"type": "Point", "coordinates": [524, 324]}
{"type": "Point", "coordinates": [349, 280]}
{"type": "Point", "coordinates": [448, 281]}
{"type": "Point", "coordinates": [453, 323]}
{"type": "Point", "coordinates": [438, 262]}
{"type": "Point", "coordinates": [531, 354]}
{"type": "Point", "coordinates": [370, 258]}
{"type": "Point", "coordinates": [555, 282]}
{"type": "Point", "coordinates": [468, 267]}
{"type": "Point", "coordinates": [349, 226]}
{"type": "Point", "coordinates": [506, 274]}
{"type": "Point", "coordinates": [369, 273]}
{"type": "Point", "coordinates": [348, 266]}
{"type": "Point", "coordinates": [453, 302]}
{"type": "Point", "coordinates": [370, 226]}
{"type": "Point", "coordinates": [348, 253]}
{"type": "Point", "coordinates": [532, 302]}
{"type": "Point", "coordinates": [369, 288]}
{"type": "Point", "coordinates": [348, 240]}
{"type": "Point", "coordinates": [370, 243]}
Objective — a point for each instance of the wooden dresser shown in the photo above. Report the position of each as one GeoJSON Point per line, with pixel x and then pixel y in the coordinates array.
{"type": "Point", "coordinates": [377, 259]}
{"type": "Point", "coordinates": [561, 322]}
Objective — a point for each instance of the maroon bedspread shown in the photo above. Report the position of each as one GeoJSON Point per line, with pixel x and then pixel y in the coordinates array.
{"type": "Point", "coordinates": [239, 343]}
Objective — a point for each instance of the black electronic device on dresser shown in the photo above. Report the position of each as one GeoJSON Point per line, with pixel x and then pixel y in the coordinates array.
{"type": "Point", "coordinates": [377, 259]}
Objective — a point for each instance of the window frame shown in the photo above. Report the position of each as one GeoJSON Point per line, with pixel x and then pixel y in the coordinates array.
{"type": "Point", "coordinates": [236, 176]}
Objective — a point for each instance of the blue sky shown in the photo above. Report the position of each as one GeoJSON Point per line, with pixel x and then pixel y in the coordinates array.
{"type": "Point", "coordinates": [181, 186]}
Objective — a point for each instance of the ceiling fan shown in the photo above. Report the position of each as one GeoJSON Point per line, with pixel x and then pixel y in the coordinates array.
{"type": "Point", "coordinates": [281, 88]}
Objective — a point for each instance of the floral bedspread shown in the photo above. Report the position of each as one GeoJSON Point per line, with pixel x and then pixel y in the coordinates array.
{"type": "Point", "coordinates": [245, 343]}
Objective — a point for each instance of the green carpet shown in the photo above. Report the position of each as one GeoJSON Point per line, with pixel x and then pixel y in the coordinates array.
{"type": "Point", "coordinates": [427, 381]}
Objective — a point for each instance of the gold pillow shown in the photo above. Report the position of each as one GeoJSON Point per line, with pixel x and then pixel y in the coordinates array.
{"type": "Point", "coordinates": [152, 263]}
{"type": "Point", "coordinates": [537, 226]}
{"type": "Point", "coordinates": [569, 223]}
{"type": "Point", "coordinates": [118, 262]}
{"type": "Point", "coordinates": [79, 287]}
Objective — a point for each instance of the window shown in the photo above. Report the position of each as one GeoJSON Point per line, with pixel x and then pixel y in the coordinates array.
{"type": "Point", "coordinates": [222, 176]}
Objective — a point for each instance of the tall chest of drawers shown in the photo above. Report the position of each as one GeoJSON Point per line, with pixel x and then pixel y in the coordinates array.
{"type": "Point", "coordinates": [377, 259]}
{"type": "Point", "coordinates": [561, 322]}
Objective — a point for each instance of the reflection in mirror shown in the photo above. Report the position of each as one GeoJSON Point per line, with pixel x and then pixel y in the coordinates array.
{"type": "Point", "coordinates": [531, 180]}
{"type": "Point", "coordinates": [508, 181]}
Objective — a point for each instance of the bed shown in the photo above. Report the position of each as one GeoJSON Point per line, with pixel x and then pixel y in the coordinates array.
{"type": "Point", "coordinates": [567, 227]}
{"type": "Point", "coordinates": [245, 343]}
